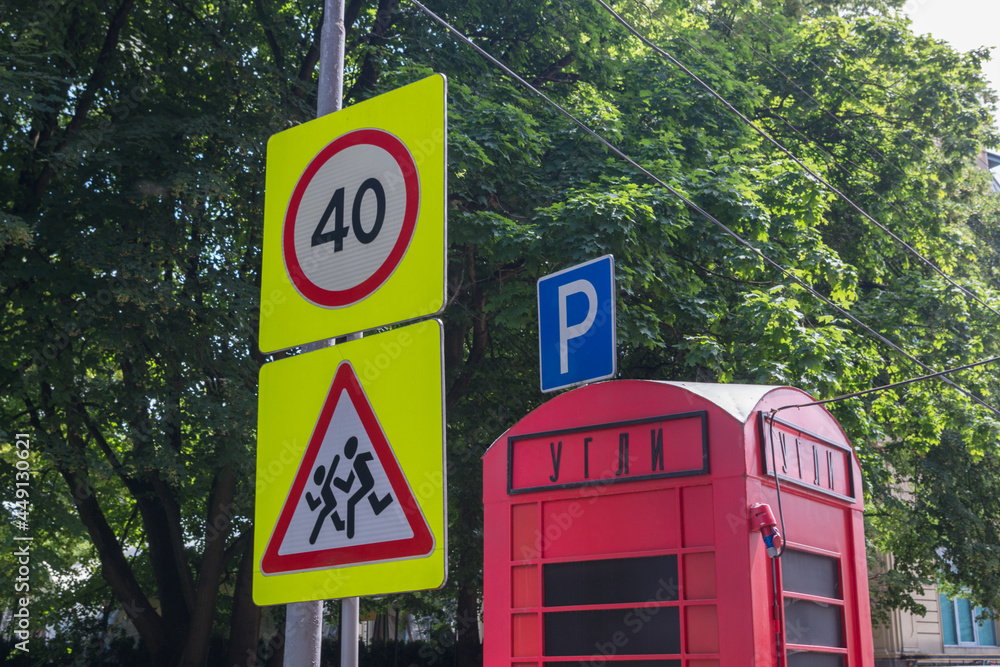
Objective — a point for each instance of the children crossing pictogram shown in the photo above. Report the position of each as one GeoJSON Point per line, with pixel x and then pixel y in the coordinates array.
{"type": "Point", "coordinates": [349, 502]}
{"type": "Point", "coordinates": [326, 498]}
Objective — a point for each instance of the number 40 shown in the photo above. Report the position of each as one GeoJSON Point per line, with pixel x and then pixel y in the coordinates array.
{"type": "Point", "coordinates": [336, 208]}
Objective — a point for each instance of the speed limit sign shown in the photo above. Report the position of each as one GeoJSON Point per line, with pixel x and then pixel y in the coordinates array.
{"type": "Point", "coordinates": [351, 218]}
{"type": "Point", "coordinates": [354, 226]}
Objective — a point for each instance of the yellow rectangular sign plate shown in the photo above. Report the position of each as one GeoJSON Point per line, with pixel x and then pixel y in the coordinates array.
{"type": "Point", "coordinates": [355, 218]}
{"type": "Point", "coordinates": [350, 482]}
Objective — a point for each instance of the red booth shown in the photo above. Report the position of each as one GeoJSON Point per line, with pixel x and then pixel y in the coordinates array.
{"type": "Point", "coordinates": [625, 525]}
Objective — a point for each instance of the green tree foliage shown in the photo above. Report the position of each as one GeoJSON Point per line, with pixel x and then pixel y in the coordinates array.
{"type": "Point", "coordinates": [131, 194]}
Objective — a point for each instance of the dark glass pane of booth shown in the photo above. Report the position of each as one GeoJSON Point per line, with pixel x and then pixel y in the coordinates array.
{"type": "Point", "coordinates": [812, 659]}
{"type": "Point", "coordinates": [813, 623]}
{"type": "Point", "coordinates": [614, 581]}
{"type": "Point", "coordinates": [648, 630]}
{"type": "Point", "coordinates": [811, 574]}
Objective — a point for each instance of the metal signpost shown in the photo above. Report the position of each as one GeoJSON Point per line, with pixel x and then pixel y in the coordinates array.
{"type": "Point", "coordinates": [350, 467]}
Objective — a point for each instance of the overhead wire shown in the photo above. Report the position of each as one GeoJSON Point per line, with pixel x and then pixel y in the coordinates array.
{"type": "Point", "coordinates": [695, 207]}
{"type": "Point", "coordinates": [834, 79]}
{"type": "Point", "coordinates": [994, 252]}
{"type": "Point", "coordinates": [839, 121]}
{"type": "Point", "coordinates": [839, 82]}
{"type": "Point", "coordinates": [772, 415]}
{"type": "Point", "coordinates": [710, 90]}
{"type": "Point", "coordinates": [839, 165]}
{"type": "Point", "coordinates": [833, 160]}
{"type": "Point", "coordinates": [767, 137]}
{"type": "Point", "coordinates": [894, 385]}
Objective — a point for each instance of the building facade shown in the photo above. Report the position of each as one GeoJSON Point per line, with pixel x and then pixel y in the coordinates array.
{"type": "Point", "coordinates": [952, 632]}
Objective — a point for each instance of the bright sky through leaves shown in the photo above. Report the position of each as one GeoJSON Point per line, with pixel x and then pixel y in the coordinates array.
{"type": "Point", "coordinates": [965, 24]}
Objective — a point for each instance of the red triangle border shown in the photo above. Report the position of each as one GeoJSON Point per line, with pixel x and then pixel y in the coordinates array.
{"type": "Point", "coordinates": [418, 546]}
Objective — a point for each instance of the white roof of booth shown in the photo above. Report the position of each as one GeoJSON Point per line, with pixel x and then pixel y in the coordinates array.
{"type": "Point", "coordinates": [739, 400]}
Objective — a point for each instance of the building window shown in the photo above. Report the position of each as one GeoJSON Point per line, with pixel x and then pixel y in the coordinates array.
{"type": "Point", "coordinates": [960, 626]}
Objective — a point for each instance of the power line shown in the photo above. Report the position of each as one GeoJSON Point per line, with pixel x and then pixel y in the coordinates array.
{"type": "Point", "coordinates": [795, 159]}
{"type": "Point", "coordinates": [900, 208]}
{"type": "Point", "coordinates": [837, 119]}
{"type": "Point", "coordinates": [833, 160]}
{"type": "Point", "coordinates": [835, 80]}
{"type": "Point", "coordinates": [894, 385]}
{"type": "Point", "coordinates": [838, 81]}
{"type": "Point", "coordinates": [708, 216]}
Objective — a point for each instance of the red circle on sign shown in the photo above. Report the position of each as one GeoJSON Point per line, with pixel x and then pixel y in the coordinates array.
{"type": "Point", "coordinates": [337, 298]}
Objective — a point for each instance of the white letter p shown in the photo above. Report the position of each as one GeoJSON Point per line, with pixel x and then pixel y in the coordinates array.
{"type": "Point", "coordinates": [567, 332]}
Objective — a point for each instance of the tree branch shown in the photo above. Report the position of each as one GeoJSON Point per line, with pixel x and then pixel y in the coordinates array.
{"type": "Point", "coordinates": [309, 60]}
{"type": "Point", "coordinates": [480, 332]}
{"type": "Point", "coordinates": [161, 517]}
{"type": "Point", "coordinates": [115, 567]}
{"type": "Point", "coordinates": [237, 545]}
{"type": "Point", "coordinates": [369, 70]}
{"type": "Point", "coordinates": [97, 79]}
{"type": "Point", "coordinates": [217, 523]}
{"type": "Point", "coordinates": [272, 41]}
{"type": "Point", "coordinates": [351, 15]}
{"type": "Point", "coordinates": [553, 69]}
{"type": "Point", "coordinates": [245, 624]}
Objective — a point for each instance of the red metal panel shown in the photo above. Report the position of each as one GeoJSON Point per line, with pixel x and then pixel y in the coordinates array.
{"type": "Point", "coordinates": [496, 582]}
{"type": "Point", "coordinates": [702, 629]}
{"type": "Point", "coordinates": [699, 576]}
{"type": "Point", "coordinates": [525, 641]}
{"type": "Point", "coordinates": [666, 446]}
{"type": "Point", "coordinates": [742, 606]}
{"type": "Point", "coordinates": [525, 587]}
{"type": "Point", "coordinates": [859, 614]}
{"type": "Point", "coordinates": [806, 459]}
{"type": "Point", "coordinates": [526, 542]}
{"type": "Point", "coordinates": [610, 524]}
{"type": "Point", "coordinates": [698, 516]}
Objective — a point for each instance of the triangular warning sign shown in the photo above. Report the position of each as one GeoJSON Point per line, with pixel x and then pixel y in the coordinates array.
{"type": "Point", "coordinates": [350, 502]}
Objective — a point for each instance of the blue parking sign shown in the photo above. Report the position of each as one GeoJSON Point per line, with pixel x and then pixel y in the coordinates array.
{"type": "Point", "coordinates": [576, 324]}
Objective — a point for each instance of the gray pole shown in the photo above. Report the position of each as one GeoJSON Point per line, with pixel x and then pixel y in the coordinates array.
{"type": "Point", "coordinates": [331, 93]}
{"type": "Point", "coordinates": [350, 609]}
{"type": "Point", "coordinates": [331, 59]}
{"type": "Point", "coordinates": [303, 626]}
{"type": "Point", "coordinates": [304, 620]}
